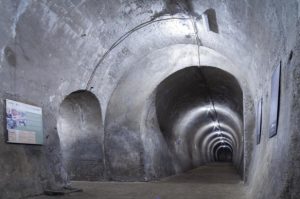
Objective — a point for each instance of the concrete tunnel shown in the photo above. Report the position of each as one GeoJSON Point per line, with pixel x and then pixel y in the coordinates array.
{"type": "Point", "coordinates": [150, 99]}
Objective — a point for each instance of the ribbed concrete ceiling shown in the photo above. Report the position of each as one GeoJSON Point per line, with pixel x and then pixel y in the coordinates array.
{"type": "Point", "coordinates": [200, 110]}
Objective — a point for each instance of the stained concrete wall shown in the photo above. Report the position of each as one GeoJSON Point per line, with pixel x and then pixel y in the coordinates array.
{"type": "Point", "coordinates": [275, 159]}
{"type": "Point", "coordinates": [50, 49]}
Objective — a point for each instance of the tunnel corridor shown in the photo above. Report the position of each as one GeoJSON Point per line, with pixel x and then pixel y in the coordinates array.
{"type": "Point", "coordinates": [199, 120]}
{"type": "Point", "coordinates": [200, 113]}
{"type": "Point", "coordinates": [150, 99]}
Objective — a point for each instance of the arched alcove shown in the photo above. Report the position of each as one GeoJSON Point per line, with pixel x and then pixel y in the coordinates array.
{"type": "Point", "coordinates": [81, 134]}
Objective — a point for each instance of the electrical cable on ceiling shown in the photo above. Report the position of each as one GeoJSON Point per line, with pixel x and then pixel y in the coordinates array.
{"type": "Point", "coordinates": [210, 98]}
{"type": "Point", "coordinates": [198, 41]}
{"type": "Point", "coordinates": [122, 38]}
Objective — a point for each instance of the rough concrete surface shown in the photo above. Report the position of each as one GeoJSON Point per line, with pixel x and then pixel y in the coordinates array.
{"type": "Point", "coordinates": [148, 114]}
{"type": "Point", "coordinates": [207, 182]}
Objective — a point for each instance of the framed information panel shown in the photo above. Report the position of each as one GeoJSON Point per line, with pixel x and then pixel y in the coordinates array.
{"type": "Point", "coordinates": [24, 123]}
{"type": "Point", "coordinates": [258, 120]}
{"type": "Point", "coordinates": [275, 98]}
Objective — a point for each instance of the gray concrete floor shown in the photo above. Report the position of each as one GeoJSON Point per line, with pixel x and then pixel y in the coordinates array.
{"type": "Point", "coordinates": [219, 181]}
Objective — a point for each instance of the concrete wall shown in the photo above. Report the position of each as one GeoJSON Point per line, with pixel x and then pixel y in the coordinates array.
{"type": "Point", "coordinates": [121, 51]}
{"type": "Point", "coordinates": [275, 159]}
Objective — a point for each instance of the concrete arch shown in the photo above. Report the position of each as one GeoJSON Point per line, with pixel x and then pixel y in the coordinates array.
{"type": "Point", "coordinates": [182, 109]}
{"type": "Point", "coordinates": [126, 117]}
{"type": "Point", "coordinates": [81, 136]}
{"type": "Point", "coordinates": [210, 152]}
{"type": "Point", "coordinates": [230, 134]}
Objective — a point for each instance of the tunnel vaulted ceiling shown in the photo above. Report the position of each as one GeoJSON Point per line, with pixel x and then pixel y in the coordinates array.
{"type": "Point", "coordinates": [200, 113]}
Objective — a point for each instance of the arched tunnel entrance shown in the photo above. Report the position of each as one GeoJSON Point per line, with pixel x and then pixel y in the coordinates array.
{"type": "Point", "coordinates": [80, 132]}
{"type": "Point", "coordinates": [166, 120]}
{"type": "Point", "coordinates": [200, 114]}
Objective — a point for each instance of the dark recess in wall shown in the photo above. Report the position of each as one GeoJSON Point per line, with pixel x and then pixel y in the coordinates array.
{"type": "Point", "coordinates": [10, 56]}
{"type": "Point", "coordinates": [212, 20]}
